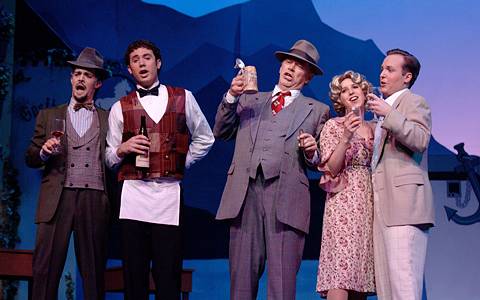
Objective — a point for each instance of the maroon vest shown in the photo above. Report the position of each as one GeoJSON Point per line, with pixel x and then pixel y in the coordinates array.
{"type": "Point", "coordinates": [168, 139]}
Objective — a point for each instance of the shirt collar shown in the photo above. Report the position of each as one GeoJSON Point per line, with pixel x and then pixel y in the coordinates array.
{"type": "Point", "coordinates": [154, 84]}
{"type": "Point", "coordinates": [294, 93]}
{"type": "Point", "coordinates": [393, 97]}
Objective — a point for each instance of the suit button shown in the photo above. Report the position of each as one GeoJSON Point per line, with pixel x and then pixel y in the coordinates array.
{"type": "Point", "coordinates": [71, 184]}
{"type": "Point", "coordinates": [86, 165]}
{"type": "Point", "coordinates": [88, 148]}
{"type": "Point", "coordinates": [86, 185]}
{"type": "Point", "coordinates": [72, 165]}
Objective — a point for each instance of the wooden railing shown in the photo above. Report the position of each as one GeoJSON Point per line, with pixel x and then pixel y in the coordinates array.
{"type": "Point", "coordinates": [17, 265]}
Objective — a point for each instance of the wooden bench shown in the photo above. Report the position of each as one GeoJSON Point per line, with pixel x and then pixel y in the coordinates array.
{"type": "Point", "coordinates": [17, 265]}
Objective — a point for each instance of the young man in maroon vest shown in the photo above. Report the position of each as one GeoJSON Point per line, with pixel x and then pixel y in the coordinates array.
{"type": "Point", "coordinates": [73, 190]}
{"type": "Point", "coordinates": [151, 200]}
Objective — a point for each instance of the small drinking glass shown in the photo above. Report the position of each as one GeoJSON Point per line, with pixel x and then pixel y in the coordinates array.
{"type": "Point", "coordinates": [58, 130]}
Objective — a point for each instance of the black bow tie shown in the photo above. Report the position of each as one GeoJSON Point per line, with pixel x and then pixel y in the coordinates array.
{"type": "Point", "coordinates": [152, 91]}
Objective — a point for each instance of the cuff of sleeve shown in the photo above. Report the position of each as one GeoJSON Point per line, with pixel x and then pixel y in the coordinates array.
{"type": "Point", "coordinates": [314, 160]}
{"type": "Point", "coordinates": [44, 156]}
{"type": "Point", "coordinates": [230, 98]}
{"type": "Point", "coordinates": [115, 158]}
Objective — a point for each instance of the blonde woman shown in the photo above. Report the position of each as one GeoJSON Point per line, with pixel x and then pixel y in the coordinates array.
{"type": "Point", "coordinates": [346, 269]}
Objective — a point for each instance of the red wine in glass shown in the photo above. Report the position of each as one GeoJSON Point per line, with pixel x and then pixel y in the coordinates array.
{"type": "Point", "coordinates": [58, 130]}
{"type": "Point", "coordinates": [57, 134]}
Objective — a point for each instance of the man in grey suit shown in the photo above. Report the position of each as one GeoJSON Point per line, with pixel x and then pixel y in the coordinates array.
{"type": "Point", "coordinates": [69, 145]}
{"type": "Point", "coordinates": [403, 201]}
{"type": "Point", "coordinates": [266, 196]}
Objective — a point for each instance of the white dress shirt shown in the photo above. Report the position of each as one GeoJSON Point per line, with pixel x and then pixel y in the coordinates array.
{"type": "Point", "coordinates": [157, 201]}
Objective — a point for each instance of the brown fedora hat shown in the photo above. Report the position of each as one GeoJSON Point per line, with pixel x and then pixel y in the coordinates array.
{"type": "Point", "coordinates": [90, 58]}
{"type": "Point", "coordinates": [303, 50]}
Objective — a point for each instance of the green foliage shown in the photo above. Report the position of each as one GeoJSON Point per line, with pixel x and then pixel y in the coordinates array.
{"type": "Point", "coordinates": [69, 291]}
{"type": "Point", "coordinates": [7, 25]}
{"type": "Point", "coordinates": [9, 220]}
{"type": "Point", "coordinates": [4, 81]}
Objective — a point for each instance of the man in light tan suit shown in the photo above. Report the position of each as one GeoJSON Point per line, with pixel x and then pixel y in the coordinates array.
{"type": "Point", "coordinates": [403, 199]}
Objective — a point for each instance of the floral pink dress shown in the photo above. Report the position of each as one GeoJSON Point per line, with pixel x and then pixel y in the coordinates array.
{"type": "Point", "coordinates": [346, 255]}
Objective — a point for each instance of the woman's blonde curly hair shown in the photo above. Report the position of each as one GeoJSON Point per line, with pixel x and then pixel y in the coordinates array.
{"type": "Point", "coordinates": [336, 88]}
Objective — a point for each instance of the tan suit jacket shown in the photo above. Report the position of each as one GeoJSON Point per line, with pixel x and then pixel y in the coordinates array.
{"type": "Point", "coordinates": [400, 178]}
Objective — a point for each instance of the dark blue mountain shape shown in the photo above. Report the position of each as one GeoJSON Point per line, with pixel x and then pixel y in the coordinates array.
{"type": "Point", "coordinates": [197, 70]}
{"type": "Point", "coordinates": [242, 29]}
{"type": "Point", "coordinates": [205, 180]}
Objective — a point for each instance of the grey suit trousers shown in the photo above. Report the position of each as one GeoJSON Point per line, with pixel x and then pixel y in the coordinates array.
{"type": "Point", "coordinates": [257, 236]}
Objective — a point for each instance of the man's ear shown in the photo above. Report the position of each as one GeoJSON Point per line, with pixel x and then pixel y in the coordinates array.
{"type": "Point", "coordinates": [159, 64]}
{"type": "Point", "coordinates": [98, 84]}
{"type": "Point", "coordinates": [408, 77]}
{"type": "Point", "coordinates": [129, 70]}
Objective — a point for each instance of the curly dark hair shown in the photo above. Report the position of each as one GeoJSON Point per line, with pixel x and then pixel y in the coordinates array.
{"type": "Point", "coordinates": [141, 44]}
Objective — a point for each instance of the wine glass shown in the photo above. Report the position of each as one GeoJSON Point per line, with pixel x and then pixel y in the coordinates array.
{"type": "Point", "coordinates": [377, 92]}
{"type": "Point", "coordinates": [58, 130]}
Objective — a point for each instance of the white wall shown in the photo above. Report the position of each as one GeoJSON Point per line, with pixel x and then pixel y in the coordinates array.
{"type": "Point", "coordinates": [453, 258]}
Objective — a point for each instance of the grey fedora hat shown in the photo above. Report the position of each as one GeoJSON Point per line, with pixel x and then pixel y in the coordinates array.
{"type": "Point", "coordinates": [303, 50]}
{"type": "Point", "coordinates": [90, 58]}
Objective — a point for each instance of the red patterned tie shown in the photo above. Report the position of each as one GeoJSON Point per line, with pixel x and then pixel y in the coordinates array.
{"type": "Point", "coordinates": [279, 102]}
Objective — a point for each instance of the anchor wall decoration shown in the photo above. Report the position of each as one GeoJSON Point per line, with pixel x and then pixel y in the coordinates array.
{"type": "Point", "coordinates": [469, 162]}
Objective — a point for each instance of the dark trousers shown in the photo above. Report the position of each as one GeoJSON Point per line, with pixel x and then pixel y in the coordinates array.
{"type": "Point", "coordinates": [86, 213]}
{"type": "Point", "coordinates": [162, 245]}
{"type": "Point", "coordinates": [256, 237]}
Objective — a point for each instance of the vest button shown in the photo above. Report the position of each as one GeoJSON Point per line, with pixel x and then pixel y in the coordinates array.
{"type": "Point", "coordinates": [166, 172]}
{"type": "Point", "coordinates": [86, 184]}
{"type": "Point", "coordinates": [166, 156]}
{"type": "Point", "coordinates": [72, 165]}
{"type": "Point", "coordinates": [62, 182]}
{"type": "Point", "coordinates": [86, 165]}
{"type": "Point", "coordinates": [167, 140]}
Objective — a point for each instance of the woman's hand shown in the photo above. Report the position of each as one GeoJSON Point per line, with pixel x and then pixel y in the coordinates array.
{"type": "Point", "coordinates": [351, 124]}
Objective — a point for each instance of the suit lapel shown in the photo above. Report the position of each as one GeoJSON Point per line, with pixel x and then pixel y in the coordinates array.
{"type": "Point", "coordinates": [301, 109]}
{"type": "Point", "coordinates": [103, 119]}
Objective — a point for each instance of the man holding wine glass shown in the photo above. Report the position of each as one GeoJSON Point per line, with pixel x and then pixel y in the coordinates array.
{"type": "Point", "coordinates": [69, 144]}
{"type": "Point", "coordinates": [403, 202]}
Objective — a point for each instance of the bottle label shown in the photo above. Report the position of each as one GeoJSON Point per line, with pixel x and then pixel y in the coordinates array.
{"type": "Point", "coordinates": [142, 161]}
